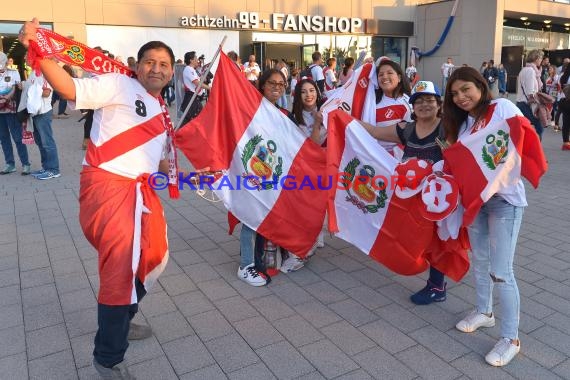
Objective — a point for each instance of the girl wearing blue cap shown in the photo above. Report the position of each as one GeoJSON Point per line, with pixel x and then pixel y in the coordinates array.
{"type": "Point", "coordinates": [419, 140]}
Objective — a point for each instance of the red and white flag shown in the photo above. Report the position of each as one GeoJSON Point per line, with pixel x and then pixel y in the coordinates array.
{"type": "Point", "coordinates": [494, 157]}
{"type": "Point", "coordinates": [367, 213]}
{"type": "Point", "coordinates": [356, 97]}
{"type": "Point", "coordinates": [272, 178]}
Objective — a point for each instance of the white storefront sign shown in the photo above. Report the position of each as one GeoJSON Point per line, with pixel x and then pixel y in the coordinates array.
{"type": "Point", "coordinates": [277, 22]}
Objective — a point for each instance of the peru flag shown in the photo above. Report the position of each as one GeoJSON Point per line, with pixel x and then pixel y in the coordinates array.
{"type": "Point", "coordinates": [485, 162]}
{"type": "Point", "coordinates": [270, 180]}
{"type": "Point", "coordinates": [356, 97]}
{"type": "Point", "coordinates": [367, 213]}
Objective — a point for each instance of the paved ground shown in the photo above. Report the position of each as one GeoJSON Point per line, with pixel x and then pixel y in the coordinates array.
{"type": "Point", "coordinates": [343, 316]}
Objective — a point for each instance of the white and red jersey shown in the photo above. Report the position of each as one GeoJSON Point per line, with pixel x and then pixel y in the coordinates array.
{"type": "Point", "coordinates": [498, 111]}
{"type": "Point", "coordinates": [330, 78]}
{"type": "Point", "coordinates": [128, 136]}
{"type": "Point", "coordinates": [391, 111]}
{"type": "Point", "coordinates": [189, 75]}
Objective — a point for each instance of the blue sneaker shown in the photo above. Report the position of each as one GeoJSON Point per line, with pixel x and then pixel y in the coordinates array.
{"type": "Point", "coordinates": [429, 294]}
{"type": "Point", "coordinates": [36, 173]}
{"type": "Point", "coordinates": [48, 175]}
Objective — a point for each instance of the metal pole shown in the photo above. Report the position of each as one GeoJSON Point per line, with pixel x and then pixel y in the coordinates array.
{"type": "Point", "coordinates": [202, 79]}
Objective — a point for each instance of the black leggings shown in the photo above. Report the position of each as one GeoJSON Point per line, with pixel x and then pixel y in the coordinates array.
{"type": "Point", "coordinates": [194, 109]}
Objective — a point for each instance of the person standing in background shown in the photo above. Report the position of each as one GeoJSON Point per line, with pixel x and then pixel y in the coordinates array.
{"type": "Point", "coordinates": [491, 74]}
{"type": "Point", "coordinates": [502, 80]}
{"type": "Point", "coordinates": [446, 70]}
{"type": "Point", "coordinates": [252, 70]}
{"type": "Point", "coordinates": [9, 125]}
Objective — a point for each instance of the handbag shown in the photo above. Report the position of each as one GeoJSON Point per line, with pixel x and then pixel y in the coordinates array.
{"type": "Point", "coordinates": [544, 98]}
{"type": "Point", "coordinates": [27, 136]}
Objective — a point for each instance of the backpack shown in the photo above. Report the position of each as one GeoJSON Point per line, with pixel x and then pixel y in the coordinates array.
{"type": "Point", "coordinates": [306, 72]}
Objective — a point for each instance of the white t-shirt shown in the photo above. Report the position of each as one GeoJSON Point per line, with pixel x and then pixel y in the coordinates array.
{"type": "Point", "coordinates": [46, 102]}
{"type": "Point", "coordinates": [121, 104]}
{"type": "Point", "coordinates": [317, 72]}
{"type": "Point", "coordinates": [251, 70]}
{"type": "Point", "coordinates": [446, 69]}
{"type": "Point", "coordinates": [307, 128]}
{"type": "Point", "coordinates": [514, 194]}
{"type": "Point", "coordinates": [189, 75]}
{"type": "Point", "coordinates": [391, 111]}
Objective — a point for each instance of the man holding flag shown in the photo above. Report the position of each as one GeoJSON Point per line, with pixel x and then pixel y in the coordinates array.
{"type": "Point", "coordinates": [120, 214]}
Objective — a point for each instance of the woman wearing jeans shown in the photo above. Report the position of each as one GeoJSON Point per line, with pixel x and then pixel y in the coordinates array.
{"type": "Point", "coordinates": [272, 85]}
{"type": "Point", "coordinates": [469, 107]}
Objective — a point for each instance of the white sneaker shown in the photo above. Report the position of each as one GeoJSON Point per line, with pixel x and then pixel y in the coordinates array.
{"type": "Point", "coordinates": [321, 240]}
{"type": "Point", "coordinates": [503, 352]}
{"type": "Point", "coordinates": [250, 275]}
{"type": "Point", "coordinates": [475, 320]}
{"type": "Point", "coordinates": [291, 264]}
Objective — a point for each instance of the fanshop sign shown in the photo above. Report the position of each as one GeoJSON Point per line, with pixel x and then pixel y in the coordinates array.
{"type": "Point", "coordinates": [276, 22]}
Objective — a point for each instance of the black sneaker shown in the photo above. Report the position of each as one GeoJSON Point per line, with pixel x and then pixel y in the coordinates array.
{"type": "Point", "coordinates": [430, 293]}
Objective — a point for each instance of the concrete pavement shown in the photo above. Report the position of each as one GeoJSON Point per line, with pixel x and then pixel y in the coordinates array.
{"type": "Point", "coordinates": [341, 317]}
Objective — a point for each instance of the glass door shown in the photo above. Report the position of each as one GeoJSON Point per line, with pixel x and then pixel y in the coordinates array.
{"type": "Point", "coordinates": [260, 51]}
{"type": "Point", "coordinates": [306, 53]}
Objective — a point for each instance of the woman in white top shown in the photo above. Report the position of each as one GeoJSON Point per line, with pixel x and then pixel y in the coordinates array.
{"type": "Point", "coordinates": [306, 104]}
{"type": "Point", "coordinates": [392, 98]}
{"type": "Point", "coordinates": [309, 119]}
{"type": "Point", "coordinates": [467, 108]}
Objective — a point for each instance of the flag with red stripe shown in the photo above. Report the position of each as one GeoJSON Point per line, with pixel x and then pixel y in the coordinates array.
{"type": "Point", "coordinates": [363, 209]}
{"type": "Point", "coordinates": [271, 170]}
{"type": "Point", "coordinates": [356, 97]}
{"type": "Point", "coordinates": [487, 161]}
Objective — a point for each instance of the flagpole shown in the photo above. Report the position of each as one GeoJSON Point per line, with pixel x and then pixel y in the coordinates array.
{"type": "Point", "coordinates": [202, 80]}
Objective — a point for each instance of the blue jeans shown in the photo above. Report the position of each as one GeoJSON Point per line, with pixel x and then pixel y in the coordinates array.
{"type": "Point", "coordinates": [62, 106]}
{"type": "Point", "coordinates": [9, 126]}
{"type": "Point", "coordinates": [113, 329]}
{"type": "Point", "coordinates": [246, 244]}
{"type": "Point", "coordinates": [43, 135]}
{"type": "Point", "coordinates": [527, 112]}
{"type": "Point", "coordinates": [493, 236]}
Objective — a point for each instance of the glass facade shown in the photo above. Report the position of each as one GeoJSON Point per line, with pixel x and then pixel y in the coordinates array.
{"type": "Point", "coordinates": [394, 48]}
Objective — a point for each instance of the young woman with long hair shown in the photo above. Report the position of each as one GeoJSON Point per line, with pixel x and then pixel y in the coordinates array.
{"type": "Point", "coordinates": [469, 107]}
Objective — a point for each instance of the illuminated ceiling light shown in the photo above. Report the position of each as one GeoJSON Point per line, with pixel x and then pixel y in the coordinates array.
{"type": "Point", "coordinates": [547, 21]}
{"type": "Point", "coordinates": [526, 23]}
{"type": "Point", "coordinates": [524, 18]}
{"type": "Point", "coordinates": [548, 26]}
{"type": "Point", "coordinates": [567, 24]}
{"type": "Point", "coordinates": [567, 28]}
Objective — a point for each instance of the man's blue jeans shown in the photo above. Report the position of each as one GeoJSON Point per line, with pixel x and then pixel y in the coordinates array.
{"type": "Point", "coordinates": [43, 134]}
{"type": "Point", "coordinates": [9, 125]}
{"type": "Point", "coordinates": [493, 237]}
